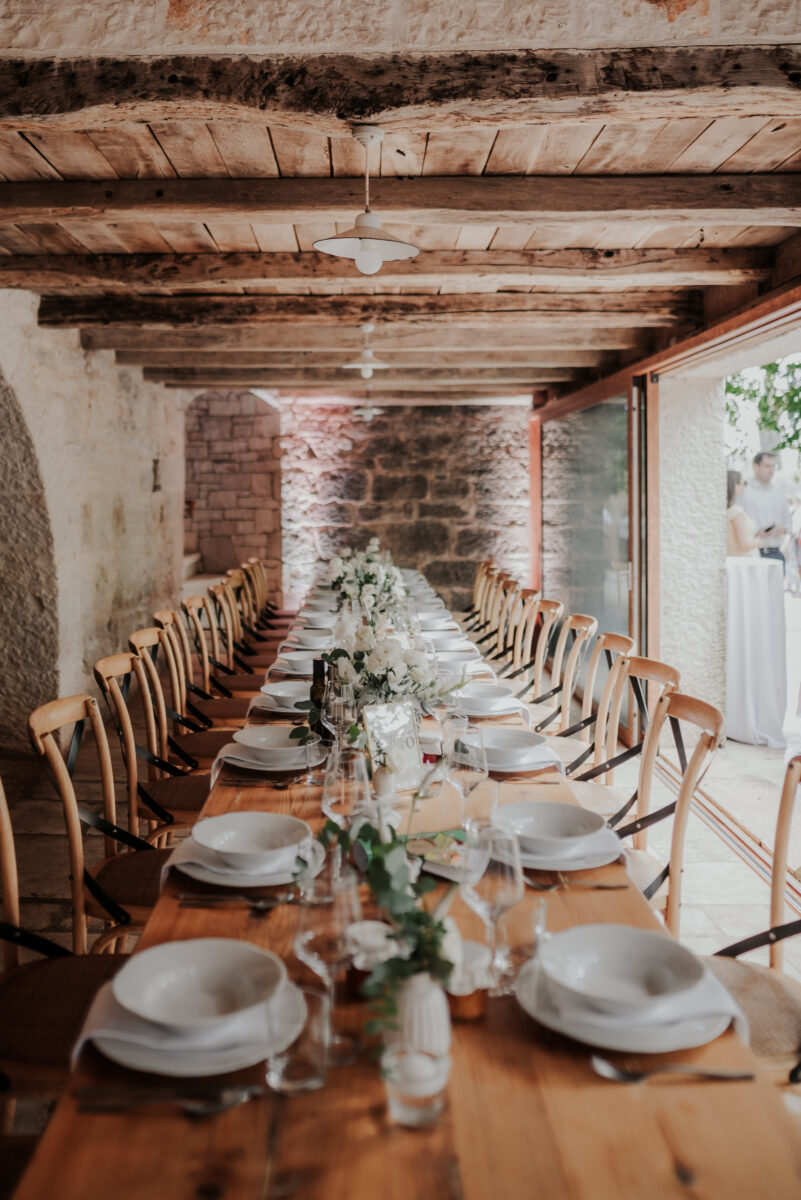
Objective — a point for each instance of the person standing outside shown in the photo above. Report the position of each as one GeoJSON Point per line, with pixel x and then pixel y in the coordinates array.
{"type": "Point", "coordinates": [767, 506]}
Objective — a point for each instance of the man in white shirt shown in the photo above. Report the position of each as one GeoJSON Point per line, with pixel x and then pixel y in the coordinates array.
{"type": "Point", "coordinates": [767, 506]}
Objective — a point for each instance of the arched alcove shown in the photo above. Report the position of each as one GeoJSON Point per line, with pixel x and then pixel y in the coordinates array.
{"type": "Point", "coordinates": [28, 597]}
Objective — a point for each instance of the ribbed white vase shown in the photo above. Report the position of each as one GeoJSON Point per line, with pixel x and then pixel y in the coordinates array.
{"type": "Point", "coordinates": [424, 1020]}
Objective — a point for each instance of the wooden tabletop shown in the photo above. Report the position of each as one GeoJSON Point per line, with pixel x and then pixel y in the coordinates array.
{"type": "Point", "coordinates": [526, 1115]}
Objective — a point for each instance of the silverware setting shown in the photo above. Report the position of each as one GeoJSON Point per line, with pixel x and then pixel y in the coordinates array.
{"type": "Point", "coordinates": [568, 885]}
{"type": "Point", "coordinates": [258, 904]}
{"type": "Point", "coordinates": [193, 1100]}
{"type": "Point", "coordinates": [230, 781]}
{"type": "Point", "coordinates": [607, 1070]}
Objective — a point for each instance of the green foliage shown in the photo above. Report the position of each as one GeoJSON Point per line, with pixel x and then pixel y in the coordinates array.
{"type": "Point", "coordinates": [418, 933]}
{"type": "Point", "coordinates": [775, 390]}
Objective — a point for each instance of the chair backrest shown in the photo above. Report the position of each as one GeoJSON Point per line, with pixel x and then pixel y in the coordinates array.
{"type": "Point", "coordinates": [504, 635]}
{"type": "Point", "coordinates": [146, 643]}
{"type": "Point", "coordinates": [114, 676]}
{"type": "Point", "coordinates": [708, 720]}
{"type": "Point", "coordinates": [195, 607]}
{"type": "Point", "coordinates": [792, 777]}
{"type": "Point", "coordinates": [649, 679]}
{"type": "Point", "coordinates": [549, 613]}
{"type": "Point", "coordinates": [177, 666]}
{"type": "Point", "coordinates": [9, 880]}
{"type": "Point", "coordinates": [566, 670]}
{"type": "Point", "coordinates": [525, 628]}
{"type": "Point", "coordinates": [44, 724]}
{"type": "Point", "coordinates": [225, 618]}
{"type": "Point", "coordinates": [480, 582]}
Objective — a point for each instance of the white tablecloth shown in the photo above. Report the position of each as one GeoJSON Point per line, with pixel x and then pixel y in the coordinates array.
{"type": "Point", "coordinates": [756, 664]}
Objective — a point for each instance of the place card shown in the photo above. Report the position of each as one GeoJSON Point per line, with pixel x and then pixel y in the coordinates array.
{"type": "Point", "coordinates": [392, 741]}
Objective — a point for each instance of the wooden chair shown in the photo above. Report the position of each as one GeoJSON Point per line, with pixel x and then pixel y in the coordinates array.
{"type": "Point", "coordinates": [44, 1002]}
{"type": "Point", "coordinates": [552, 708]}
{"type": "Point", "coordinates": [498, 640]}
{"type": "Point", "coordinates": [770, 999]}
{"type": "Point", "coordinates": [543, 617]}
{"type": "Point", "coordinates": [488, 594]}
{"type": "Point", "coordinates": [121, 889]}
{"type": "Point", "coordinates": [196, 702]}
{"type": "Point", "coordinates": [480, 583]}
{"type": "Point", "coordinates": [217, 676]}
{"type": "Point", "coordinates": [169, 796]}
{"type": "Point", "coordinates": [267, 609]}
{"type": "Point", "coordinates": [640, 675]}
{"type": "Point", "coordinates": [196, 748]}
{"type": "Point", "coordinates": [574, 745]}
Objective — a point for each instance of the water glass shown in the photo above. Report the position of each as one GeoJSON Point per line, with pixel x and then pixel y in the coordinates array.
{"type": "Point", "coordinates": [415, 1083]}
{"type": "Point", "coordinates": [346, 787]}
{"type": "Point", "coordinates": [465, 764]}
{"type": "Point", "coordinates": [303, 1066]}
{"type": "Point", "coordinates": [498, 889]}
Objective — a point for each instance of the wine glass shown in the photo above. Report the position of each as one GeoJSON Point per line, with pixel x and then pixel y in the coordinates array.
{"type": "Point", "coordinates": [346, 788]}
{"type": "Point", "coordinates": [493, 884]}
{"type": "Point", "coordinates": [446, 701]}
{"type": "Point", "coordinates": [466, 766]}
{"type": "Point", "coordinates": [321, 942]}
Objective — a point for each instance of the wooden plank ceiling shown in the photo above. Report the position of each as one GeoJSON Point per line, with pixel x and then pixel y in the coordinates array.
{"type": "Point", "coordinates": [550, 250]}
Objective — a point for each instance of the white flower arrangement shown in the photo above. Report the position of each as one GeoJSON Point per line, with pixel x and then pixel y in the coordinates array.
{"type": "Point", "coordinates": [379, 666]}
{"type": "Point", "coordinates": [367, 579]}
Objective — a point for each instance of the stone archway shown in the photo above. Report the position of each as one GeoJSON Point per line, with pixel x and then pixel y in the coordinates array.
{"type": "Point", "coordinates": [28, 597]}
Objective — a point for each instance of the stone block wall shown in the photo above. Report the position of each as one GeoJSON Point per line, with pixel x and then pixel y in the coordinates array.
{"type": "Point", "coordinates": [443, 487]}
{"type": "Point", "coordinates": [233, 488]}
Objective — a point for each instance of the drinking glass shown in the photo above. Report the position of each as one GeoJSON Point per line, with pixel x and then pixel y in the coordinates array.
{"type": "Point", "coordinates": [466, 767]}
{"type": "Point", "coordinates": [492, 893]}
{"type": "Point", "coordinates": [446, 701]}
{"type": "Point", "coordinates": [321, 942]}
{"type": "Point", "coordinates": [346, 788]}
{"type": "Point", "coordinates": [303, 1065]}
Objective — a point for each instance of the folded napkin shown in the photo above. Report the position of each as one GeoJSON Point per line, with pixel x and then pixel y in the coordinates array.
{"type": "Point", "coordinates": [604, 842]}
{"type": "Point", "coordinates": [536, 759]}
{"type": "Point", "coordinates": [189, 851]}
{"type": "Point", "coordinates": [230, 753]}
{"type": "Point", "coordinates": [709, 998]}
{"type": "Point", "coordinates": [260, 1025]}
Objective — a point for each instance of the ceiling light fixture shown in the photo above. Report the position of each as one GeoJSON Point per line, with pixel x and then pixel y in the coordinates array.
{"type": "Point", "coordinates": [367, 243]}
{"type": "Point", "coordinates": [367, 362]}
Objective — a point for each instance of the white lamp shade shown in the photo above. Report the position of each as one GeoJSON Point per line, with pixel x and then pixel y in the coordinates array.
{"type": "Point", "coordinates": [368, 244]}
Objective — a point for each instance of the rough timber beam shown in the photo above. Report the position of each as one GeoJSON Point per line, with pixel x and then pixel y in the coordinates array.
{"type": "Point", "coordinates": [576, 269]}
{"type": "Point", "coordinates": [388, 338]}
{"type": "Point", "coordinates": [771, 199]}
{"type": "Point", "coordinates": [329, 91]}
{"type": "Point", "coordinates": [285, 360]}
{"type": "Point", "coordinates": [382, 381]}
{"type": "Point", "coordinates": [582, 309]}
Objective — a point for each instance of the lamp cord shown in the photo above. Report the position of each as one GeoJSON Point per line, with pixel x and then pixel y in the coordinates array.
{"type": "Point", "coordinates": [366, 178]}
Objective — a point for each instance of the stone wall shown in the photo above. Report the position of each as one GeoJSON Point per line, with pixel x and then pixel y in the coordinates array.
{"type": "Point", "coordinates": [90, 509]}
{"type": "Point", "coordinates": [233, 487]}
{"type": "Point", "coordinates": [443, 487]}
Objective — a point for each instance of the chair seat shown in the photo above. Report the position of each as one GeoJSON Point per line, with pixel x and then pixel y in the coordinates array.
{"type": "Point", "coordinates": [643, 869]}
{"type": "Point", "coordinates": [207, 745]}
{"type": "Point", "coordinates": [243, 682]}
{"type": "Point", "coordinates": [180, 795]}
{"type": "Point", "coordinates": [44, 1004]}
{"type": "Point", "coordinates": [598, 797]}
{"type": "Point", "coordinates": [223, 708]}
{"type": "Point", "coordinates": [770, 1000]}
{"type": "Point", "coordinates": [132, 879]}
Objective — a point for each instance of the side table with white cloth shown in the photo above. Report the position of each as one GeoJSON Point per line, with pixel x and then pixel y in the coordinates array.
{"type": "Point", "coordinates": [756, 664]}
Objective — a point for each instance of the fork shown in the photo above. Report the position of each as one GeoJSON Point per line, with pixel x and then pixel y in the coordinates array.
{"type": "Point", "coordinates": [585, 884]}
{"type": "Point", "coordinates": [194, 1106]}
{"type": "Point", "coordinates": [606, 1069]}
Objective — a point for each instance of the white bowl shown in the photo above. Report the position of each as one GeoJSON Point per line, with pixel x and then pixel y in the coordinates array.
{"type": "Point", "coordinates": [507, 747]}
{"type": "Point", "coordinates": [314, 639]}
{"type": "Point", "coordinates": [436, 624]}
{"type": "Point", "coordinates": [199, 983]}
{"type": "Point", "coordinates": [473, 654]}
{"type": "Point", "coordinates": [449, 639]}
{"type": "Point", "coordinates": [298, 662]}
{"type": "Point", "coordinates": [616, 968]}
{"type": "Point", "coordinates": [323, 603]}
{"type": "Point", "coordinates": [547, 827]}
{"type": "Point", "coordinates": [316, 620]}
{"type": "Point", "coordinates": [480, 697]}
{"type": "Point", "coordinates": [430, 608]}
{"type": "Point", "coordinates": [253, 841]}
{"type": "Point", "coordinates": [286, 692]}
{"type": "Point", "coordinates": [272, 745]}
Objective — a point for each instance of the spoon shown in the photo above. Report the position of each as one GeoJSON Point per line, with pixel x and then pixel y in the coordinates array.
{"type": "Point", "coordinates": [592, 887]}
{"type": "Point", "coordinates": [608, 1070]}
{"type": "Point", "coordinates": [195, 1107]}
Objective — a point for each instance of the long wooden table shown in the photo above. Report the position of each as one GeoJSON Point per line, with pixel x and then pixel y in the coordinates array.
{"type": "Point", "coordinates": [526, 1117]}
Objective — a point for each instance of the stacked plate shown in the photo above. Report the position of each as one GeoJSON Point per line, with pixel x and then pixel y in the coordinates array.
{"type": "Point", "coordinates": [200, 1007]}
{"type": "Point", "coordinates": [559, 837]}
{"type": "Point", "coordinates": [311, 639]}
{"type": "Point", "coordinates": [438, 622]}
{"type": "Point", "coordinates": [295, 662]}
{"type": "Point", "coordinates": [247, 849]}
{"type": "Point", "coordinates": [515, 751]}
{"type": "Point", "coordinates": [624, 988]}
{"type": "Point", "coordinates": [488, 700]}
{"type": "Point", "coordinates": [316, 619]}
{"type": "Point", "coordinates": [272, 748]}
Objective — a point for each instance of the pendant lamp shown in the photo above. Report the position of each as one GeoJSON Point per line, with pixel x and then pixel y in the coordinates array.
{"type": "Point", "coordinates": [367, 243]}
{"type": "Point", "coordinates": [367, 361]}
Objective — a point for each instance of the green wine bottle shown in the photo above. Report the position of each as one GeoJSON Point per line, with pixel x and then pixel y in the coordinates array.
{"type": "Point", "coordinates": [317, 697]}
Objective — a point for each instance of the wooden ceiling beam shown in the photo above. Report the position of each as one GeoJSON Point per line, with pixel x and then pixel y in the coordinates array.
{"type": "Point", "coordinates": [280, 360]}
{"type": "Point", "coordinates": [388, 338]}
{"type": "Point", "coordinates": [327, 92]}
{"type": "Point", "coordinates": [770, 199]}
{"type": "Point", "coordinates": [382, 381]}
{"type": "Point", "coordinates": [624, 310]}
{"type": "Point", "coordinates": [566, 269]}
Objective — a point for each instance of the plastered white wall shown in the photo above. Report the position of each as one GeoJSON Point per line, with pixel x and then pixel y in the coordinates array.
{"type": "Point", "coordinates": [97, 430]}
{"type": "Point", "coordinates": [53, 27]}
{"type": "Point", "coordinates": [692, 534]}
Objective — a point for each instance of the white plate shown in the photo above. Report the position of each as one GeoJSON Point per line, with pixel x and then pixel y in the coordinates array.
{"type": "Point", "coordinates": [609, 850]}
{"type": "Point", "coordinates": [479, 714]}
{"type": "Point", "coordinates": [259, 705]}
{"type": "Point", "coordinates": [264, 841]}
{"type": "Point", "coordinates": [254, 764]}
{"type": "Point", "coordinates": [287, 1011]}
{"type": "Point", "coordinates": [548, 827]}
{"type": "Point", "coordinates": [533, 998]}
{"type": "Point", "coordinates": [240, 879]}
{"type": "Point", "coordinates": [273, 745]}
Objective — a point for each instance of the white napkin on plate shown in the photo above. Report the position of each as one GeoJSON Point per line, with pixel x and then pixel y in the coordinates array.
{"type": "Point", "coordinates": [231, 753]}
{"type": "Point", "coordinates": [709, 998]}
{"type": "Point", "coordinates": [108, 1019]}
{"type": "Point", "coordinates": [537, 758]}
{"type": "Point", "coordinates": [189, 851]}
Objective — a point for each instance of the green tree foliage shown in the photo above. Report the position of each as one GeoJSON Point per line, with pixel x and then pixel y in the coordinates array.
{"type": "Point", "coordinates": [775, 389]}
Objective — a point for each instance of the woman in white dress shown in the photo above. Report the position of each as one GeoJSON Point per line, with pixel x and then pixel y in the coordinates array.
{"type": "Point", "coordinates": [741, 531]}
